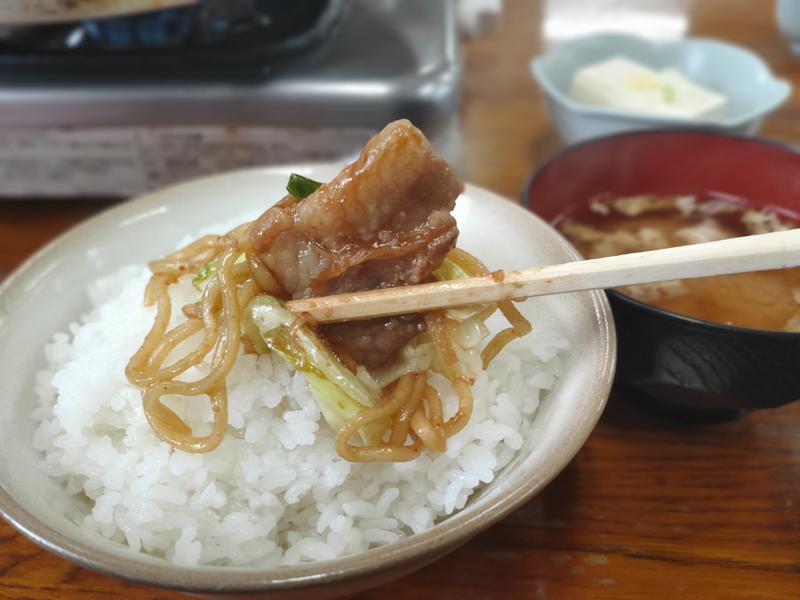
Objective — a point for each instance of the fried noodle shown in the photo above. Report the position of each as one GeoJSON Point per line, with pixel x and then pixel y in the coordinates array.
{"type": "Point", "coordinates": [411, 412]}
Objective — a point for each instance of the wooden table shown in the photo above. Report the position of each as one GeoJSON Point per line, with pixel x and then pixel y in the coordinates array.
{"type": "Point", "coordinates": [648, 509]}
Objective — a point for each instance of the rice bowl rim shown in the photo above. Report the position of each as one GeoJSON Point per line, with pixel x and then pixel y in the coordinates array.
{"type": "Point", "coordinates": [419, 548]}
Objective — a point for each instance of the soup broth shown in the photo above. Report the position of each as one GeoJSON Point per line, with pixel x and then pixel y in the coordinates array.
{"type": "Point", "coordinates": [760, 300]}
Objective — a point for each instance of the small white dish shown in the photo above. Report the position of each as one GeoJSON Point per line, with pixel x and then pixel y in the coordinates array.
{"type": "Point", "coordinates": [49, 291]}
{"type": "Point", "coordinates": [751, 89]}
{"type": "Point", "coordinates": [787, 17]}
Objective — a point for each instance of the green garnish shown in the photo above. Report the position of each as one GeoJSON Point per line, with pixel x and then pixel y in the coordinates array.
{"type": "Point", "coordinates": [668, 93]}
{"type": "Point", "coordinates": [205, 273]}
{"type": "Point", "coordinates": [300, 186]}
{"type": "Point", "coordinates": [208, 270]}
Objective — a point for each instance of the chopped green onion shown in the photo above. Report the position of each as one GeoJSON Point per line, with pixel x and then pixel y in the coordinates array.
{"type": "Point", "coordinates": [205, 273]}
{"type": "Point", "coordinates": [208, 270]}
{"type": "Point", "coordinates": [668, 93]}
{"type": "Point", "coordinates": [300, 186]}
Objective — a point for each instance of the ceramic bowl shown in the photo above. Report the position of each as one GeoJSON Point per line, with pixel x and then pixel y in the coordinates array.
{"type": "Point", "coordinates": [787, 17]}
{"type": "Point", "coordinates": [752, 90]}
{"type": "Point", "coordinates": [49, 291]}
{"type": "Point", "coordinates": [689, 368]}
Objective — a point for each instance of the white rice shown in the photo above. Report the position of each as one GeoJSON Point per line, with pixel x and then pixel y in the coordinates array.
{"type": "Point", "coordinates": [275, 492]}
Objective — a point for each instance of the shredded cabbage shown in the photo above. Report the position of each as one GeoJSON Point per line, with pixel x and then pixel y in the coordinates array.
{"type": "Point", "coordinates": [411, 360]}
{"type": "Point", "coordinates": [450, 270]}
{"type": "Point", "coordinates": [470, 329]}
{"type": "Point", "coordinates": [339, 393]}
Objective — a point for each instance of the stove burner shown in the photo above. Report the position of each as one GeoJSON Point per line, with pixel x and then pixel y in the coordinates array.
{"type": "Point", "coordinates": [243, 34]}
{"type": "Point", "coordinates": [169, 28]}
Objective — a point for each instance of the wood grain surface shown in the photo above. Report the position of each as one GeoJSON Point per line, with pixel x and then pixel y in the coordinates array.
{"type": "Point", "coordinates": [649, 508]}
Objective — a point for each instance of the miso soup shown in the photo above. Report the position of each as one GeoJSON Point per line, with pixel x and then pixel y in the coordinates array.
{"type": "Point", "coordinates": [761, 300]}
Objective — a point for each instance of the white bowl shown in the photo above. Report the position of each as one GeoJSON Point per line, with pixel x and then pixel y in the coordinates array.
{"type": "Point", "coordinates": [751, 88]}
{"type": "Point", "coordinates": [49, 292]}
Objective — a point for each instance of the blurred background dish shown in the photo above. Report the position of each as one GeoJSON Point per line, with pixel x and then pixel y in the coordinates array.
{"type": "Point", "coordinates": [41, 12]}
{"type": "Point", "coordinates": [115, 107]}
{"type": "Point", "coordinates": [746, 82]}
{"type": "Point", "coordinates": [787, 16]}
{"type": "Point", "coordinates": [685, 366]}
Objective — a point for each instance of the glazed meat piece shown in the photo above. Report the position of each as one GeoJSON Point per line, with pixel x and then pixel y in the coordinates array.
{"type": "Point", "coordinates": [374, 342]}
{"type": "Point", "coordinates": [383, 221]}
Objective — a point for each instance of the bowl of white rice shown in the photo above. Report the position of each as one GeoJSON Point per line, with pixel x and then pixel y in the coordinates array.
{"type": "Point", "coordinates": [273, 509]}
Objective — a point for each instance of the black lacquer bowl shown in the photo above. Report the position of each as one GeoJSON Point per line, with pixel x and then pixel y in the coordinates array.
{"type": "Point", "coordinates": [679, 365]}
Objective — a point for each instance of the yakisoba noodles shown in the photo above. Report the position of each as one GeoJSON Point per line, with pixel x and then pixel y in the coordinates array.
{"type": "Point", "coordinates": [410, 404]}
{"type": "Point", "coordinates": [362, 230]}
